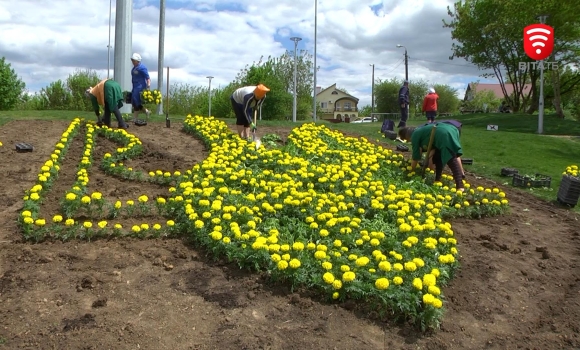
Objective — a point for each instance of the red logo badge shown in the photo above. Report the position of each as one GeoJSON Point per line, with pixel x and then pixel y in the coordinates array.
{"type": "Point", "coordinates": [538, 41]}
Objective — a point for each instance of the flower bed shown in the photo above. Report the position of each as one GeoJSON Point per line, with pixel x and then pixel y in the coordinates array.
{"type": "Point", "coordinates": [336, 214]}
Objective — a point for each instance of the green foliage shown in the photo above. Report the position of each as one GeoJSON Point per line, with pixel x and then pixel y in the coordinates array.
{"type": "Point", "coordinates": [365, 111]}
{"type": "Point", "coordinates": [448, 101]}
{"type": "Point", "coordinates": [488, 33]}
{"type": "Point", "coordinates": [76, 84]}
{"type": "Point", "coordinates": [56, 96]}
{"type": "Point", "coordinates": [387, 96]}
{"type": "Point", "coordinates": [11, 86]}
{"type": "Point", "coordinates": [484, 100]}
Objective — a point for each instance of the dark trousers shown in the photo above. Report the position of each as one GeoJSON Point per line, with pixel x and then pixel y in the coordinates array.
{"type": "Point", "coordinates": [116, 112]}
{"type": "Point", "coordinates": [431, 115]}
{"type": "Point", "coordinates": [241, 118]}
{"type": "Point", "coordinates": [404, 117]}
{"type": "Point", "coordinates": [454, 166]}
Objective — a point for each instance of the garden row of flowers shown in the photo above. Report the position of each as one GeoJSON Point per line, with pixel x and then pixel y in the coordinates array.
{"type": "Point", "coordinates": [98, 213]}
{"type": "Point", "coordinates": [337, 214]}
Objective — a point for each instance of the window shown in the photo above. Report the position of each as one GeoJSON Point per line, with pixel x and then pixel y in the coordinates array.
{"type": "Point", "coordinates": [323, 105]}
{"type": "Point", "coordinates": [346, 105]}
{"type": "Point", "coordinates": [335, 92]}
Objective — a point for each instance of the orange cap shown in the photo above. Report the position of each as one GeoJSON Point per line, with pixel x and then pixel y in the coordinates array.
{"type": "Point", "coordinates": [260, 91]}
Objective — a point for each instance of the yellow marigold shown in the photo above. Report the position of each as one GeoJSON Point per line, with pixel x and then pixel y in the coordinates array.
{"type": "Point", "coordinates": [382, 283]}
{"type": "Point", "coordinates": [397, 280]}
{"type": "Point", "coordinates": [328, 277]}
{"type": "Point", "coordinates": [417, 283]}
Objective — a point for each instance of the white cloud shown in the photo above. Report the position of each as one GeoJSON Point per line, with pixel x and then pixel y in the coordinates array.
{"type": "Point", "coordinates": [219, 37]}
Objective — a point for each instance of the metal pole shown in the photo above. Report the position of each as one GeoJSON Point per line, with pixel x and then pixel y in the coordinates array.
{"type": "Point", "coordinates": [209, 94]}
{"type": "Point", "coordinates": [296, 40]}
{"type": "Point", "coordinates": [407, 76]}
{"type": "Point", "coordinates": [373, 93]}
{"type": "Point", "coordinates": [109, 46]}
{"type": "Point", "coordinates": [541, 102]}
{"type": "Point", "coordinates": [123, 46]}
{"type": "Point", "coordinates": [161, 53]}
{"type": "Point", "coordinates": [315, 68]}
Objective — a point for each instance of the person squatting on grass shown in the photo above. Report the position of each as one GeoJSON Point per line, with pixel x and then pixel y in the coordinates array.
{"type": "Point", "coordinates": [244, 101]}
{"type": "Point", "coordinates": [430, 105]}
{"type": "Point", "coordinates": [108, 94]}
{"type": "Point", "coordinates": [141, 81]}
{"type": "Point", "coordinates": [445, 150]}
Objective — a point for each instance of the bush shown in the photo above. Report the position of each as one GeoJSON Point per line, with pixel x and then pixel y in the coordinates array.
{"type": "Point", "coordinates": [11, 86]}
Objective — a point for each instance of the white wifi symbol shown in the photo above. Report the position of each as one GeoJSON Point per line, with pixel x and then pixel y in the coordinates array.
{"type": "Point", "coordinates": [538, 37]}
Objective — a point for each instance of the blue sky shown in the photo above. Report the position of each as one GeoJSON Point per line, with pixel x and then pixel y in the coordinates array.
{"type": "Point", "coordinates": [219, 37]}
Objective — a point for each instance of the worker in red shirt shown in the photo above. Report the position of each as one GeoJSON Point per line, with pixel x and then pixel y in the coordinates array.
{"type": "Point", "coordinates": [430, 105]}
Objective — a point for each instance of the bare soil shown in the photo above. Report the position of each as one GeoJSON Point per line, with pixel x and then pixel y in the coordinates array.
{"type": "Point", "coordinates": [518, 286]}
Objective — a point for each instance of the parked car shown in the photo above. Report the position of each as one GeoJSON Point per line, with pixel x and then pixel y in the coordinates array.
{"type": "Point", "coordinates": [364, 120]}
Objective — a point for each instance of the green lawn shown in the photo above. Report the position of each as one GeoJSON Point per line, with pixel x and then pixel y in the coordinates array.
{"type": "Point", "coordinates": [514, 145]}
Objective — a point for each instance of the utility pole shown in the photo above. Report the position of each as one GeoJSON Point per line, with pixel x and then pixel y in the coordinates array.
{"type": "Point", "coordinates": [373, 94]}
{"type": "Point", "coordinates": [109, 46]}
{"type": "Point", "coordinates": [209, 94]}
{"type": "Point", "coordinates": [296, 40]}
{"type": "Point", "coordinates": [123, 46]}
{"type": "Point", "coordinates": [161, 53]}
{"type": "Point", "coordinates": [542, 19]}
{"type": "Point", "coordinates": [315, 68]}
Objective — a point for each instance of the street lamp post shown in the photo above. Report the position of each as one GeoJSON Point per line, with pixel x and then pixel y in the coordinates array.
{"type": "Point", "coordinates": [315, 67]}
{"type": "Point", "coordinates": [209, 94]}
{"type": "Point", "coordinates": [542, 19]}
{"type": "Point", "coordinates": [296, 40]}
{"type": "Point", "coordinates": [373, 93]}
{"type": "Point", "coordinates": [109, 46]}
{"type": "Point", "coordinates": [406, 70]}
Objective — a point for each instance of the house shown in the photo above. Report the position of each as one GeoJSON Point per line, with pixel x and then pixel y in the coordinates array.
{"type": "Point", "coordinates": [495, 88]}
{"type": "Point", "coordinates": [336, 104]}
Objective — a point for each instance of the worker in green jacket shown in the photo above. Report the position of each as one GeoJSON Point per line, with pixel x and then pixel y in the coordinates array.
{"type": "Point", "coordinates": [445, 150]}
{"type": "Point", "coordinates": [108, 94]}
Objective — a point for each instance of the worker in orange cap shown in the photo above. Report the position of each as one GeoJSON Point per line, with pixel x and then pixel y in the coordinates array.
{"type": "Point", "coordinates": [244, 101]}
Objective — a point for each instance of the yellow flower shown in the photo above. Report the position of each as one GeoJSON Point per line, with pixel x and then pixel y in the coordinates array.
{"type": "Point", "coordinates": [382, 283]}
{"type": "Point", "coordinates": [417, 283]}
{"type": "Point", "coordinates": [294, 263]}
{"type": "Point", "coordinates": [102, 224]}
{"type": "Point", "coordinates": [348, 276]}
{"type": "Point", "coordinates": [328, 277]}
{"type": "Point", "coordinates": [56, 218]}
{"type": "Point", "coordinates": [87, 224]}
{"type": "Point", "coordinates": [397, 280]}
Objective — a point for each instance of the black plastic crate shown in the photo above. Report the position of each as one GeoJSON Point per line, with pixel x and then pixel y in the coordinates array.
{"type": "Point", "coordinates": [140, 122]}
{"type": "Point", "coordinates": [402, 148]}
{"type": "Point", "coordinates": [569, 191]}
{"type": "Point", "coordinates": [509, 171]}
{"type": "Point", "coordinates": [22, 147]}
{"type": "Point", "coordinates": [391, 135]}
{"type": "Point", "coordinates": [466, 161]}
{"type": "Point", "coordinates": [538, 180]}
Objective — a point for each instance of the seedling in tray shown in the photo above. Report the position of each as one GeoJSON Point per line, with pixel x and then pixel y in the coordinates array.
{"type": "Point", "coordinates": [535, 181]}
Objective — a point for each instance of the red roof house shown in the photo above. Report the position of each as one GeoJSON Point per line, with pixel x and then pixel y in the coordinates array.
{"type": "Point", "coordinates": [496, 88]}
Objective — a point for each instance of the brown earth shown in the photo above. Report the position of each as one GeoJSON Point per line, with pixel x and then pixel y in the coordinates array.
{"type": "Point", "coordinates": [518, 286]}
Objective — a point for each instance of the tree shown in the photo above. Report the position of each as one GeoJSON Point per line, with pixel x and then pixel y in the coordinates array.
{"type": "Point", "coordinates": [280, 72]}
{"type": "Point", "coordinates": [77, 83]}
{"type": "Point", "coordinates": [11, 86]}
{"type": "Point", "coordinates": [489, 34]}
{"type": "Point", "coordinates": [448, 101]}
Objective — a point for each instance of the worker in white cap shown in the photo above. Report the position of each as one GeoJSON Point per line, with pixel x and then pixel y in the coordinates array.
{"type": "Point", "coordinates": [430, 105]}
{"type": "Point", "coordinates": [141, 81]}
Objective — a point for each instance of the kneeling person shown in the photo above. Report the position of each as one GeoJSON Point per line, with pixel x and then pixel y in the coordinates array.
{"type": "Point", "coordinates": [445, 150]}
{"type": "Point", "coordinates": [107, 93]}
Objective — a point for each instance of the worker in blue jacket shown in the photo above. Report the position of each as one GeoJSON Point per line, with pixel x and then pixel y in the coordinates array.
{"type": "Point", "coordinates": [404, 103]}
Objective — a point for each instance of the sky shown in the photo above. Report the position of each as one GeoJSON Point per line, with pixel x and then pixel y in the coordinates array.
{"type": "Point", "coordinates": [47, 41]}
